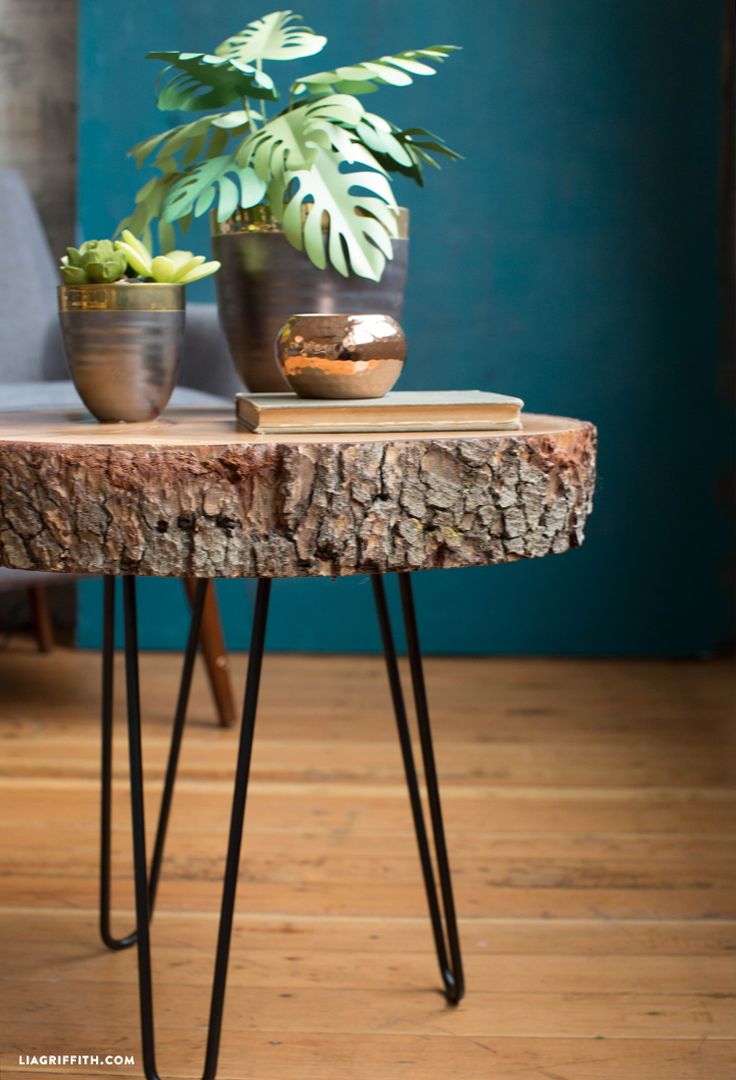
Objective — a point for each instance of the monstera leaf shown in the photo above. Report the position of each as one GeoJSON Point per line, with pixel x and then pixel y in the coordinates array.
{"type": "Point", "coordinates": [347, 216]}
{"type": "Point", "coordinates": [378, 135]}
{"type": "Point", "coordinates": [291, 140]}
{"type": "Point", "coordinates": [148, 203]}
{"type": "Point", "coordinates": [396, 150]}
{"type": "Point", "coordinates": [278, 36]}
{"type": "Point", "coordinates": [194, 81]}
{"type": "Point", "coordinates": [421, 144]}
{"type": "Point", "coordinates": [404, 151]}
{"type": "Point", "coordinates": [367, 76]}
{"type": "Point", "coordinates": [322, 167]}
{"type": "Point", "coordinates": [193, 136]}
{"type": "Point", "coordinates": [221, 178]}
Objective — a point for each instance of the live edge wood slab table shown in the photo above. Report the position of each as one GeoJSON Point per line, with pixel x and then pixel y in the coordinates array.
{"type": "Point", "coordinates": [191, 495]}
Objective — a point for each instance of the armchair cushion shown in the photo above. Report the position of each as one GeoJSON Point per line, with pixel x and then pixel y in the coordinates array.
{"type": "Point", "coordinates": [206, 363]}
{"type": "Point", "coordinates": [30, 338]}
{"type": "Point", "coordinates": [63, 395]}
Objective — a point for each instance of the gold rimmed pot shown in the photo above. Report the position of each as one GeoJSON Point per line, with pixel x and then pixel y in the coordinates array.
{"type": "Point", "coordinates": [123, 346]}
{"type": "Point", "coordinates": [264, 280]}
{"type": "Point", "coordinates": [341, 356]}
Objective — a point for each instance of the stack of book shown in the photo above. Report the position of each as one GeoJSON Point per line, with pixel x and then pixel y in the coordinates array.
{"type": "Point", "coordinates": [401, 410]}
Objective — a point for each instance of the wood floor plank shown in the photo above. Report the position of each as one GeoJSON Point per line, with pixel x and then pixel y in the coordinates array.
{"type": "Point", "coordinates": [202, 805]}
{"type": "Point", "coordinates": [606, 763]}
{"type": "Point", "coordinates": [418, 1010]}
{"type": "Point", "coordinates": [492, 937]}
{"type": "Point", "coordinates": [591, 814]}
{"type": "Point", "coordinates": [306, 858]}
{"type": "Point", "coordinates": [339, 898]}
{"type": "Point", "coordinates": [281, 1055]}
{"type": "Point", "coordinates": [53, 843]}
{"type": "Point", "coordinates": [353, 969]}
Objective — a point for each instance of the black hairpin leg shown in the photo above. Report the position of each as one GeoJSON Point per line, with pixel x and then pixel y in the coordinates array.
{"type": "Point", "coordinates": [142, 887]}
{"type": "Point", "coordinates": [108, 660]}
{"type": "Point", "coordinates": [449, 942]}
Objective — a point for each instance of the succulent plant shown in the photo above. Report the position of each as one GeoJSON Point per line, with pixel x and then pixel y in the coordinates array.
{"type": "Point", "coordinates": [175, 267]}
{"type": "Point", "coordinates": [102, 262]}
{"type": "Point", "coordinates": [96, 262]}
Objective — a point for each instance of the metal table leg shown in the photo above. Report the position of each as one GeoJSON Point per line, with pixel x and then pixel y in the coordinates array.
{"type": "Point", "coordinates": [446, 938]}
{"type": "Point", "coordinates": [108, 661]}
{"type": "Point", "coordinates": [452, 969]}
{"type": "Point", "coordinates": [242, 771]}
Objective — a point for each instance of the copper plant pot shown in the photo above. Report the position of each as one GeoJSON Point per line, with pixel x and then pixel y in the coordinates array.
{"type": "Point", "coordinates": [123, 345]}
{"type": "Point", "coordinates": [341, 356]}
{"type": "Point", "coordinates": [264, 280]}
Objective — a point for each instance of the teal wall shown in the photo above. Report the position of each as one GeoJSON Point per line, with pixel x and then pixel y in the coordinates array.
{"type": "Point", "coordinates": [572, 259]}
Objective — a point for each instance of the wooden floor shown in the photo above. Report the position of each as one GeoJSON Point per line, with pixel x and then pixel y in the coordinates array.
{"type": "Point", "coordinates": [591, 815]}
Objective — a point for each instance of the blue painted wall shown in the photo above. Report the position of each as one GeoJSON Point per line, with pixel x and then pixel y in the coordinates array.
{"type": "Point", "coordinates": [572, 258]}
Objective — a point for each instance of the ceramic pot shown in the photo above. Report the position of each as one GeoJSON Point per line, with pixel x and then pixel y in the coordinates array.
{"type": "Point", "coordinates": [264, 280]}
{"type": "Point", "coordinates": [123, 346]}
{"type": "Point", "coordinates": [341, 356]}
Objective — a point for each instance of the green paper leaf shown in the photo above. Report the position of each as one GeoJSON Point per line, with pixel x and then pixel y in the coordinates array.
{"type": "Point", "coordinates": [193, 81]}
{"type": "Point", "coordinates": [277, 36]}
{"type": "Point", "coordinates": [141, 150]}
{"type": "Point", "coordinates": [383, 142]}
{"type": "Point", "coordinates": [252, 188]}
{"type": "Point", "coordinates": [218, 142]}
{"type": "Point", "coordinates": [195, 190]}
{"type": "Point", "coordinates": [204, 201]}
{"type": "Point", "coordinates": [394, 70]}
{"type": "Point", "coordinates": [291, 141]}
{"type": "Point", "coordinates": [426, 158]}
{"type": "Point", "coordinates": [236, 118]}
{"type": "Point", "coordinates": [229, 198]}
{"type": "Point", "coordinates": [148, 205]}
{"type": "Point", "coordinates": [412, 66]}
{"type": "Point", "coordinates": [166, 236]}
{"type": "Point", "coordinates": [428, 141]}
{"type": "Point", "coordinates": [172, 141]}
{"type": "Point", "coordinates": [385, 73]}
{"type": "Point", "coordinates": [357, 206]}
{"type": "Point", "coordinates": [196, 146]}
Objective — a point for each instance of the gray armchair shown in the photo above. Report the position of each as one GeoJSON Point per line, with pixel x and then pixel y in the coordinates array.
{"type": "Point", "coordinates": [31, 348]}
{"type": "Point", "coordinates": [33, 373]}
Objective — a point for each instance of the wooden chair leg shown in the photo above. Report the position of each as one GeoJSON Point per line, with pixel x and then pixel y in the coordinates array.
{"type": "Point", "coordinates": [43, 626]}
{"type": "Point", "coordinates": [215, 655]}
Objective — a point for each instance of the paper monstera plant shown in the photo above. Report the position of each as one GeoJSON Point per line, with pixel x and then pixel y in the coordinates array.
{"type": "Point", "coordinates": [318, 163]}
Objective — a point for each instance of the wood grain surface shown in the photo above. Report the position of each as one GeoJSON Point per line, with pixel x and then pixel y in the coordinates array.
{"type": "Point", "coordinates": [191, 495]}
{"type": "Point", "coordinates": [590, 811]}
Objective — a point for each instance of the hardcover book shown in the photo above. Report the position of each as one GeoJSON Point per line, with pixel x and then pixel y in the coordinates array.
{"type": "Point", "coordinates": [400, 410]}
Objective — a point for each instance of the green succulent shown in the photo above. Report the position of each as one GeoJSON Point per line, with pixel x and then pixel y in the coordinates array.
{"type": "Point", "coordinates": [102, 262]}
{"type": "Point", "coordinates": [96, 262]}
{"type": "Point", "coordinates": [321, 166]}
{"type": "Point", "coordinates": [175, 267]}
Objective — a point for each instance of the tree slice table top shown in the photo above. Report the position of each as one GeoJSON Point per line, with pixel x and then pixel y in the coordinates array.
{"type": "Point", "coordinates": [192, 495]}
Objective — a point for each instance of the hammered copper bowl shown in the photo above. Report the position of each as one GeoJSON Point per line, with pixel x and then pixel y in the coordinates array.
{"type": "Point", "coordinates": [264, 280]}
{"type": "Point", "coordinates": [341, 356]}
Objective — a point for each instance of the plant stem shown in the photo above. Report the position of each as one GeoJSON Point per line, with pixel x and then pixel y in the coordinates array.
{"type": "Point", "coordinates": [259, 69]}
{"type": "Point", "coordinates": [252, 125]}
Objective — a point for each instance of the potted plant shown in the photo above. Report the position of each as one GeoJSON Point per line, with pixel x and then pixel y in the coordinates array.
{"type": "Point", "coordinates": [122, 318]}
{"type": "Point", "coordinates": [312, 178]}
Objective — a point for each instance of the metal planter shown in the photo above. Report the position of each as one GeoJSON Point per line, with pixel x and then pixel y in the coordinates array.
{"type": "Point", "coordinates": [123, 346]}
{"type": "Point", "coordinates": [264, 280]}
